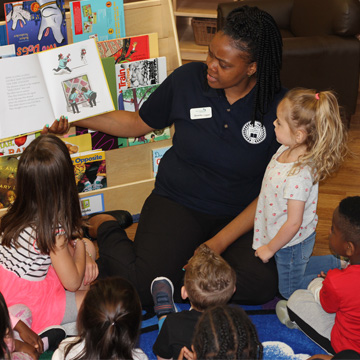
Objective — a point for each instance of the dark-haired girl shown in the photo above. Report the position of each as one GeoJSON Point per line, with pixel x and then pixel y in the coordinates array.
{"type": "Point", "coordinates": [224, 137]}
{"type": "Point", "coordinates": [224, 332]}
{"type": "Point", "coordinates": [41, 251]}
{"type": "Point", "coordinates": [108, 324]}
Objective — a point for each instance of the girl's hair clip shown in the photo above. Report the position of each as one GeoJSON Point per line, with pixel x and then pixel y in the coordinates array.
{"type": "Point", "coordinates": [317, 97]}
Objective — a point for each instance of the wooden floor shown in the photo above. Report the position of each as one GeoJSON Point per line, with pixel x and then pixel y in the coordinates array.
{"type": "Point", "coordinates": [345, 183]}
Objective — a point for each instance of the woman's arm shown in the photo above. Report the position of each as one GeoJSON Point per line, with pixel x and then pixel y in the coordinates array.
{"type": "Point", "coordinates": [69, 268]}
{"type": "Point", "coordinates": [243, 223]}
{"type": "Point", "coordinates": [117, 123]}
{"type": "Point", "coordinates": [295, 213]}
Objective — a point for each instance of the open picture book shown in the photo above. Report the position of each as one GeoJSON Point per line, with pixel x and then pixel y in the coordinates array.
{"type": "Point", "coordinates": [41, 87]}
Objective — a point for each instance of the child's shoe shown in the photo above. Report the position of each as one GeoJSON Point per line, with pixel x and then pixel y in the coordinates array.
{"type": "Point", "coordinates": [283, 315]}
{"type": "Point", "coordinates": [52, 336]}
{"type": "Point", "coordinates": [162, 291]}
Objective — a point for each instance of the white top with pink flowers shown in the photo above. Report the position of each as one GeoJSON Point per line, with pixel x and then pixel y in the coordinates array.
{"type": "Point", "coordinates": [277, 188]}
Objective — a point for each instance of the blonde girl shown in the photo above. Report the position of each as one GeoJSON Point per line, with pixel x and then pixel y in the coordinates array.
{"type": "Point", "coordinates": [314, 143]}
{"type": "Point", "coordinates": [40, 254]}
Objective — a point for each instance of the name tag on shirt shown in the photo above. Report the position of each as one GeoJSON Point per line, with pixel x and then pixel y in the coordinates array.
{"type": "Point", "coordinates": [201, 113]}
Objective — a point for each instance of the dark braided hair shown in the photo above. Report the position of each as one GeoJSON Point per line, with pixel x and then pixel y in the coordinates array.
{"type": "Point", "coordinates": [255, 31]}
{"type": "Point", "coordinates": [350, 219]}
{"type": "Point", "coordinates": [226, 332]}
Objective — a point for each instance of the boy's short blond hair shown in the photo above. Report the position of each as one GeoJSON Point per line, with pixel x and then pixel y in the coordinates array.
{"type": "Point", "coordinates": [209, 279]}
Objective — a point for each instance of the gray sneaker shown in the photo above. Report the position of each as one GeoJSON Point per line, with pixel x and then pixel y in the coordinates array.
{"type": "Point", "coordinates": [283, 315]}
{"type": "Point", "coordinates": [162, 291]}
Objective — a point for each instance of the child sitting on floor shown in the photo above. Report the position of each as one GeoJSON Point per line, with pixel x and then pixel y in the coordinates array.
{"type": "Point", "coordinates": [329, 310]}
{"type": "Point", "coordinates": [17, 340]}
{"type": "Point", "coordinates": [224, 332]}
{"type": "Point", "coordinates": [209, 280]}
{"type": "Point", "coordinates": [108, 324]}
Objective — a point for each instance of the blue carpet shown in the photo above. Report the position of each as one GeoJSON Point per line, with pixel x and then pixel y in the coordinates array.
{"type": "Point", "coordinates": [280, 342]}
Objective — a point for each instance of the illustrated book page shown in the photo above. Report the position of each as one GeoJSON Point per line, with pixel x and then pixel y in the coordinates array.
{"type": "Point", "coordinates": [39, 88]}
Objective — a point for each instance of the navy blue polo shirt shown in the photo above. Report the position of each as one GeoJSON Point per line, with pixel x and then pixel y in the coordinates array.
{"type": "Point", "coordinates": [218, 159]}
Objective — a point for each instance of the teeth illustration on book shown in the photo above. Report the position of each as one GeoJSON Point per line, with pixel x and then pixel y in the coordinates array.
{"type": "Point", "coordinates": [35, 25]}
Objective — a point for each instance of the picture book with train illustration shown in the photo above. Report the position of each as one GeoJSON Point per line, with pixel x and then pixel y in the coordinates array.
{"type": "Point", "coordinates": [41, 87]}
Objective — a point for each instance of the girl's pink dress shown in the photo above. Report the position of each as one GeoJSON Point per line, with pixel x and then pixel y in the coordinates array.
{"type": "Point", "coordinates": [45, 298]}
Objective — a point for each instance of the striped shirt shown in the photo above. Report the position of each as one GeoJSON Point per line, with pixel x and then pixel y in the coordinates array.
{"type": "Point", "coordinates": [25, 261]}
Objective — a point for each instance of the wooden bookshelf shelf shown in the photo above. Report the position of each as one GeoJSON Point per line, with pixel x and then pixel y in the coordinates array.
{"type": "Point", "coordinates": [184, 11]}
{"type": "Point", "coordinates": [129, 170]}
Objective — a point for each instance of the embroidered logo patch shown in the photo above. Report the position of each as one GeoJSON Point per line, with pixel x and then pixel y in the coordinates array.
{"type": "Point", "coordinates": [254, 134]}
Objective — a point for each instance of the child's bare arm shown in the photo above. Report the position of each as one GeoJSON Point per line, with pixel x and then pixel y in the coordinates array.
{"type": "Point", "coordinates": [295, 212]}
{"type": "Point", "coordinates": [69, 268]}
{"type": "Point", "coordinates": [29, 336]}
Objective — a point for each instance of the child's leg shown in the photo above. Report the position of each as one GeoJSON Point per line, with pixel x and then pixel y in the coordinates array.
{"type": "Point", "coordinates": [316, 265]}
{"type": "Point", "coordinates": [73, 303]}
{"type": "Point", "coordinates": [291, 263]}
{"type": "Point", "coordinates": [23, 313]}
{"type": "Point", "coordinates": [311, 318]}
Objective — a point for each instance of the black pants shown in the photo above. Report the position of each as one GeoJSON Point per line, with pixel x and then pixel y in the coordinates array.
{"type": "Point", "coordinates": [167, 235]}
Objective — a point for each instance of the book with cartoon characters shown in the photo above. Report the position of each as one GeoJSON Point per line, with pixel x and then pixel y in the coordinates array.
{"type": "Point", "coordinates": [39, 88]}
{"type": "Point", "coordinates": [101, 19]}
{"type": "Point", "coordinates": [132, 48]}
{"type": "Point", "coordinates": [140, 73]}
{"type": "Point", "coordinates": [90, 170]}
{"type": "Point", "coordinates": [35, 25]}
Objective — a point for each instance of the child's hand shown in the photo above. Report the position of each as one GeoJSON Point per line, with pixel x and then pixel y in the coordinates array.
{"type": "Point", "coordinates": [29, 336]}
{"type": "Point", "coordinates": [322, 274]}
{"type": "Point", "coordinates": [185, 353]}
{"type": "Point", "coordinates": [91, 270]}
{"type": "Point", "coordinates": [26, 348]}
{"type": "Point", "coordinates": [264, 253]}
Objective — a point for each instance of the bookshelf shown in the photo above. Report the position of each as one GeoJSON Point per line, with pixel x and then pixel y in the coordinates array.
{"type": "Point", "coordinates": [129, 170]}
{"type": "Point", "coordinates": [184, 11]}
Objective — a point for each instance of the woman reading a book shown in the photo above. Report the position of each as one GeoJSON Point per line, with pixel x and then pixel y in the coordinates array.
{"type": "Point", "coordinates": [207, 185]}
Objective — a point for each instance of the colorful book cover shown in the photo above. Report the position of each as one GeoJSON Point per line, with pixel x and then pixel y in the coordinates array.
{"type": "Point", "coordinates": [101, 19]}
{"type": "Point", "coordinates": [3, 35]}
{"type": "Point", "coordinates": [90, 170]}
{"type": "Point", "coordinates": [140, 73]}
{"type": "Point", "coordinates": [78, 144]}
{"type": "Point", "coordinates": [100, 140]}
{"type": "Point", "coordinates": [16, 146]}
{"type": "Point", "coordinates": [134, 98]}
{"type": "Point", "coordinates": [35, 25]}
{"type": "Point", "coordinates": [131, 48]}
{"type": "Point", "coordinates": [8, 170]}
{"type": "Point", "coordinates": [157, 155]}
{"type": "Point", "coordinates": [7, 51]}
{"type": "Point", "coordinates": [155, 135]}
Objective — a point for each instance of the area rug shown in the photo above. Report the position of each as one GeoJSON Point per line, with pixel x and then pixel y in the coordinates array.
{"type": "Point", "coordinates": [279, 342]}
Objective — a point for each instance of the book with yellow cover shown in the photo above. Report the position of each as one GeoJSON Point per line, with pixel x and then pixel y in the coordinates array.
{"type": "Point", "coordinates": [90, 170]}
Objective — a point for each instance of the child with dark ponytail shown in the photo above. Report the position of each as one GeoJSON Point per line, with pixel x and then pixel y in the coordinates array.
{"type": "Point", "coordinates": [108, 324]}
